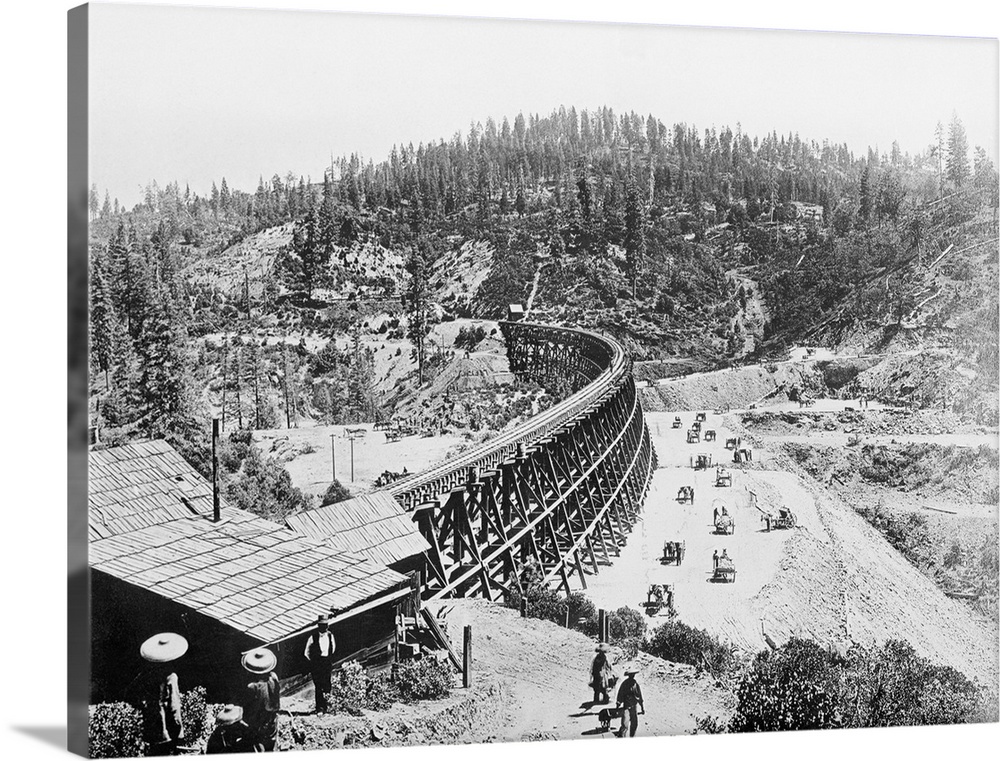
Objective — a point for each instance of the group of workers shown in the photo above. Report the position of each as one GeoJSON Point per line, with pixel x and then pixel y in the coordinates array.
{"type": "Point", "coordinates": [249, 725]}
{"type": "Point", "coordinates": [629, 698]}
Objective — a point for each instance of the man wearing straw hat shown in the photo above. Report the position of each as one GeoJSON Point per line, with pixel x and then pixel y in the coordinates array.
{"type": "Point", "coordinates": [319, 651]}
{"type": "Point", "coordinates": [600, 673]}
{"type": "Point", "coordinates": [262, 700]}
{"type": "Point", "coordinates": [230, 734]}
{"type": "Point", "coordinates": [630, 698]}
{"type": "Point", "coordinates": [162, 723]}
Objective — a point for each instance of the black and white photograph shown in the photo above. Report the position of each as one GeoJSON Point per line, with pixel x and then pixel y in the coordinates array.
{"type": "Point", "coordinates": [458, 380]}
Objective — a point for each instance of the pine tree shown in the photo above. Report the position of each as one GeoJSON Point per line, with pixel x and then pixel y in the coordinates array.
{"type": "Point", "coordinates": [102, 321]}
{"type": "Point", "coordinates": [417, 302]}
{"type": "Point", "coordinates": [957, 165]}
{"type": "Point", "coordinates": [635, 234]}
{"type": "Point", "coordinates": [162, 380]}
{"type": "Point", "coordinates": [94, 202]}
{"type": "Point", "coordinates": [313, 253]}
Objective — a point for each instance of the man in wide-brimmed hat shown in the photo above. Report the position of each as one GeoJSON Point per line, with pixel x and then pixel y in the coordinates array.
{"type": "Point", "coordinates": [319, 651]}
{"type": "Point", "coordinates": [630, 698]}
{"type": "Point", "coordinates": [161, 701]}
{"type": "Point", "coordinates": [230, 734]}
{"type": "Point", "coordinates": [262, 700]}
{"type": "Point", "coordinates": [601, 674]}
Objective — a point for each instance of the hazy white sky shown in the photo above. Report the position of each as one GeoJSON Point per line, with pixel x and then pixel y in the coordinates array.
{"type": "Point", "coordinates": [195, 94]}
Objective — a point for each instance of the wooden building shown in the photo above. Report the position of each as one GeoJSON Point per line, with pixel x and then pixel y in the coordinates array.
{"type": "Point", "coordinates": [372, 525]}
{"type": "Point", "coordinates": [160, 562]}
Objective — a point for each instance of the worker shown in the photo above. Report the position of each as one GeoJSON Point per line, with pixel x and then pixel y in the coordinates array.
{"type": "Point", "coordinates": [262, 700]}
{"type": "Point", "coordinates": [767, 520]}
{"type": "Point", "coordinates": [715, 560]}
{"type": "Point", "coordinates": [715, 515]}
{"type": "Point", "coordinates": [725, 555]}
{"type": "Point", "coordinates": [230, 735]}
{"type": "Point", "coordinates": [161, 701]}
{"type": "Point", "coordinates": [630, 698]}
{"type": "Point", "coordinates": [655, 591]}
{"type": "Point", "coordinates": [320, 646]}
{"type": "Point", "coordinates": [601, 673]}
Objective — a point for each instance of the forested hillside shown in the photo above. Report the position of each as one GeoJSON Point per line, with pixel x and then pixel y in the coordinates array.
{"type": "Point", "coordinates": [709, 245]}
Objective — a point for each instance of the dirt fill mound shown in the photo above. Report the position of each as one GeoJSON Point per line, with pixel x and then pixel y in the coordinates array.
{"type": "Point", "coordinates": [845, 583]}
{"type": "Point", "coordinates": [736, 388]}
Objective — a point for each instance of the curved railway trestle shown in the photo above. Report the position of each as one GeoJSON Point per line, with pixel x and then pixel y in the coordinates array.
{"type": "Point", "coordinates": [563, 489]}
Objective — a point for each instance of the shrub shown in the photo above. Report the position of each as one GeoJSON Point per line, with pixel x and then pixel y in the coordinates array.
{"type": "Point", "coordinates": [893, 686]}
{"type": "Point", "coordinates": [336, 492]}
{"type": "Point", "coordinates": [381, 692]}
{"type": "Point", "coordinates": [424, 679]}
{"type": "Point", "coordinates": [115, 731]}
{"type": "Point", "coordinates": [626, 623]}
{"type": "Point", "coordinates": [194, 715]}
{"type": "Point", "coordinates": [678, 642]}
{"type": "Point", "coordinates": [708, 725]}
{"type": "Point", "coordinates": [543, 602]}
{"type": "Point", "coordinates": [583, 614]}
{"type": "Point", "coordinates": [804, 686]}
{"type": "Point", "coordinates": [348, 689]}
{"type": "Point", "coordinates": [793, 687]}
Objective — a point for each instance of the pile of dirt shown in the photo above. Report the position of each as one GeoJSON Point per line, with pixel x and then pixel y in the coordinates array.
{"type": "Point", "coordinates": [870, 422]}
{"type": "Point", "coordinates": [921, 470]}
{"type": "Point", "coordinates": [737, 388]}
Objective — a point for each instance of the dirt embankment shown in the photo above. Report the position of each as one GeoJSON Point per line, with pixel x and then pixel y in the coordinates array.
{"type": "Point", "coordinates": [470, 715]}
{"type": "Point", "coordinates": [736, 388]}
{"type": "Point", "coordinates": [868, 422]}
{"type": "Point", "coordinates": [921, 470]}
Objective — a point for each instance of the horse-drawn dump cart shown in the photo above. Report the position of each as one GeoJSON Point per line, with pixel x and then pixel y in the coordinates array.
{"type": "Point", "coordinates": [784, 519]}
{"type": "Point", "coordinates": [676, 423]}
{"type": "Point", "coordinates": [693, 436]}
{"type": "Point", "coordinates": [696, 426]}
{"type": "Point", "coordinates": [660, 597]}
{"type": "Point", "coordinates": [673, 553]}
{"type": "Point", "coordinates": [700, 417]}
{"type": "Point", "coordinates": [701, 461]}
{"type": "Point", "coordinates": [709, 434]}
{"type": "Point", "coordinates": [731, 443]}
{"type": "Point", "coordinates": [723, 477]}
{"type": "Point", "coordinates": [724, 524]}
{"type": "Point", "coordinates": [725, 570]}
{"type": "Point", "coordinates": [393, 434]}
{"type": "Point", "coordinates": [685, 494]}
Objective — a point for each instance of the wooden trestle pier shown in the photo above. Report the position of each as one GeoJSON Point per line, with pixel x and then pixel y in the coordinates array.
{"type": "Point", "coordinates": [563, 489]}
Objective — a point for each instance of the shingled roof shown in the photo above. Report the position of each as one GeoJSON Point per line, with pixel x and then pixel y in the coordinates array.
{"type": "Point", "coordinates": [246, 572]}
{"type": "Point", "coordinates": [140, 485]}
{"type": "Point", "coordinates": [372, 525]}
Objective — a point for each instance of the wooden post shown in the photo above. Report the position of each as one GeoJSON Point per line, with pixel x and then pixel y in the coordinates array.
{"type": "Point", "coordinates": [467, 657]}
{"type": "Point", "coordinates": [524, 608]}
{"type": "Point", "coordinates": [418, 583]}
{"type": "Point", "coordinates": [602, 625]}
{"type": "Point", "coordinates": [216, 510]}
{"type": "Point", "coordinates": [567, 616]}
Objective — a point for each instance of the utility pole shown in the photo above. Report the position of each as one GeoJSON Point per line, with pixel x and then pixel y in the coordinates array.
{"type": "Point", "coordinates": [333, 453]}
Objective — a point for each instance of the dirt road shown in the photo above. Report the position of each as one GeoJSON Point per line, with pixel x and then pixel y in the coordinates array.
{"type": "Point", "coordinates": [547, 669]}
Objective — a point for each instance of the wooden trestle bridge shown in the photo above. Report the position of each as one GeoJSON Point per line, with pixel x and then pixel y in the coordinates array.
{"type": "Point", "coordinates": [562, 489]}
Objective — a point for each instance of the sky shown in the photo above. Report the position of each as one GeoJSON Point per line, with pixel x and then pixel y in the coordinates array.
{"type": "Point", "coordinates": [197, 94]}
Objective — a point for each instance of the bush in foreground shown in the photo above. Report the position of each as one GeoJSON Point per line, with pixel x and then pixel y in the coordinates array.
{"type": "Point", "coordinates": [804, 686]}
{"type": "Point", "coordinates": [678, 642]}
{"type": "Point", "coordinates": [115, 731]}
